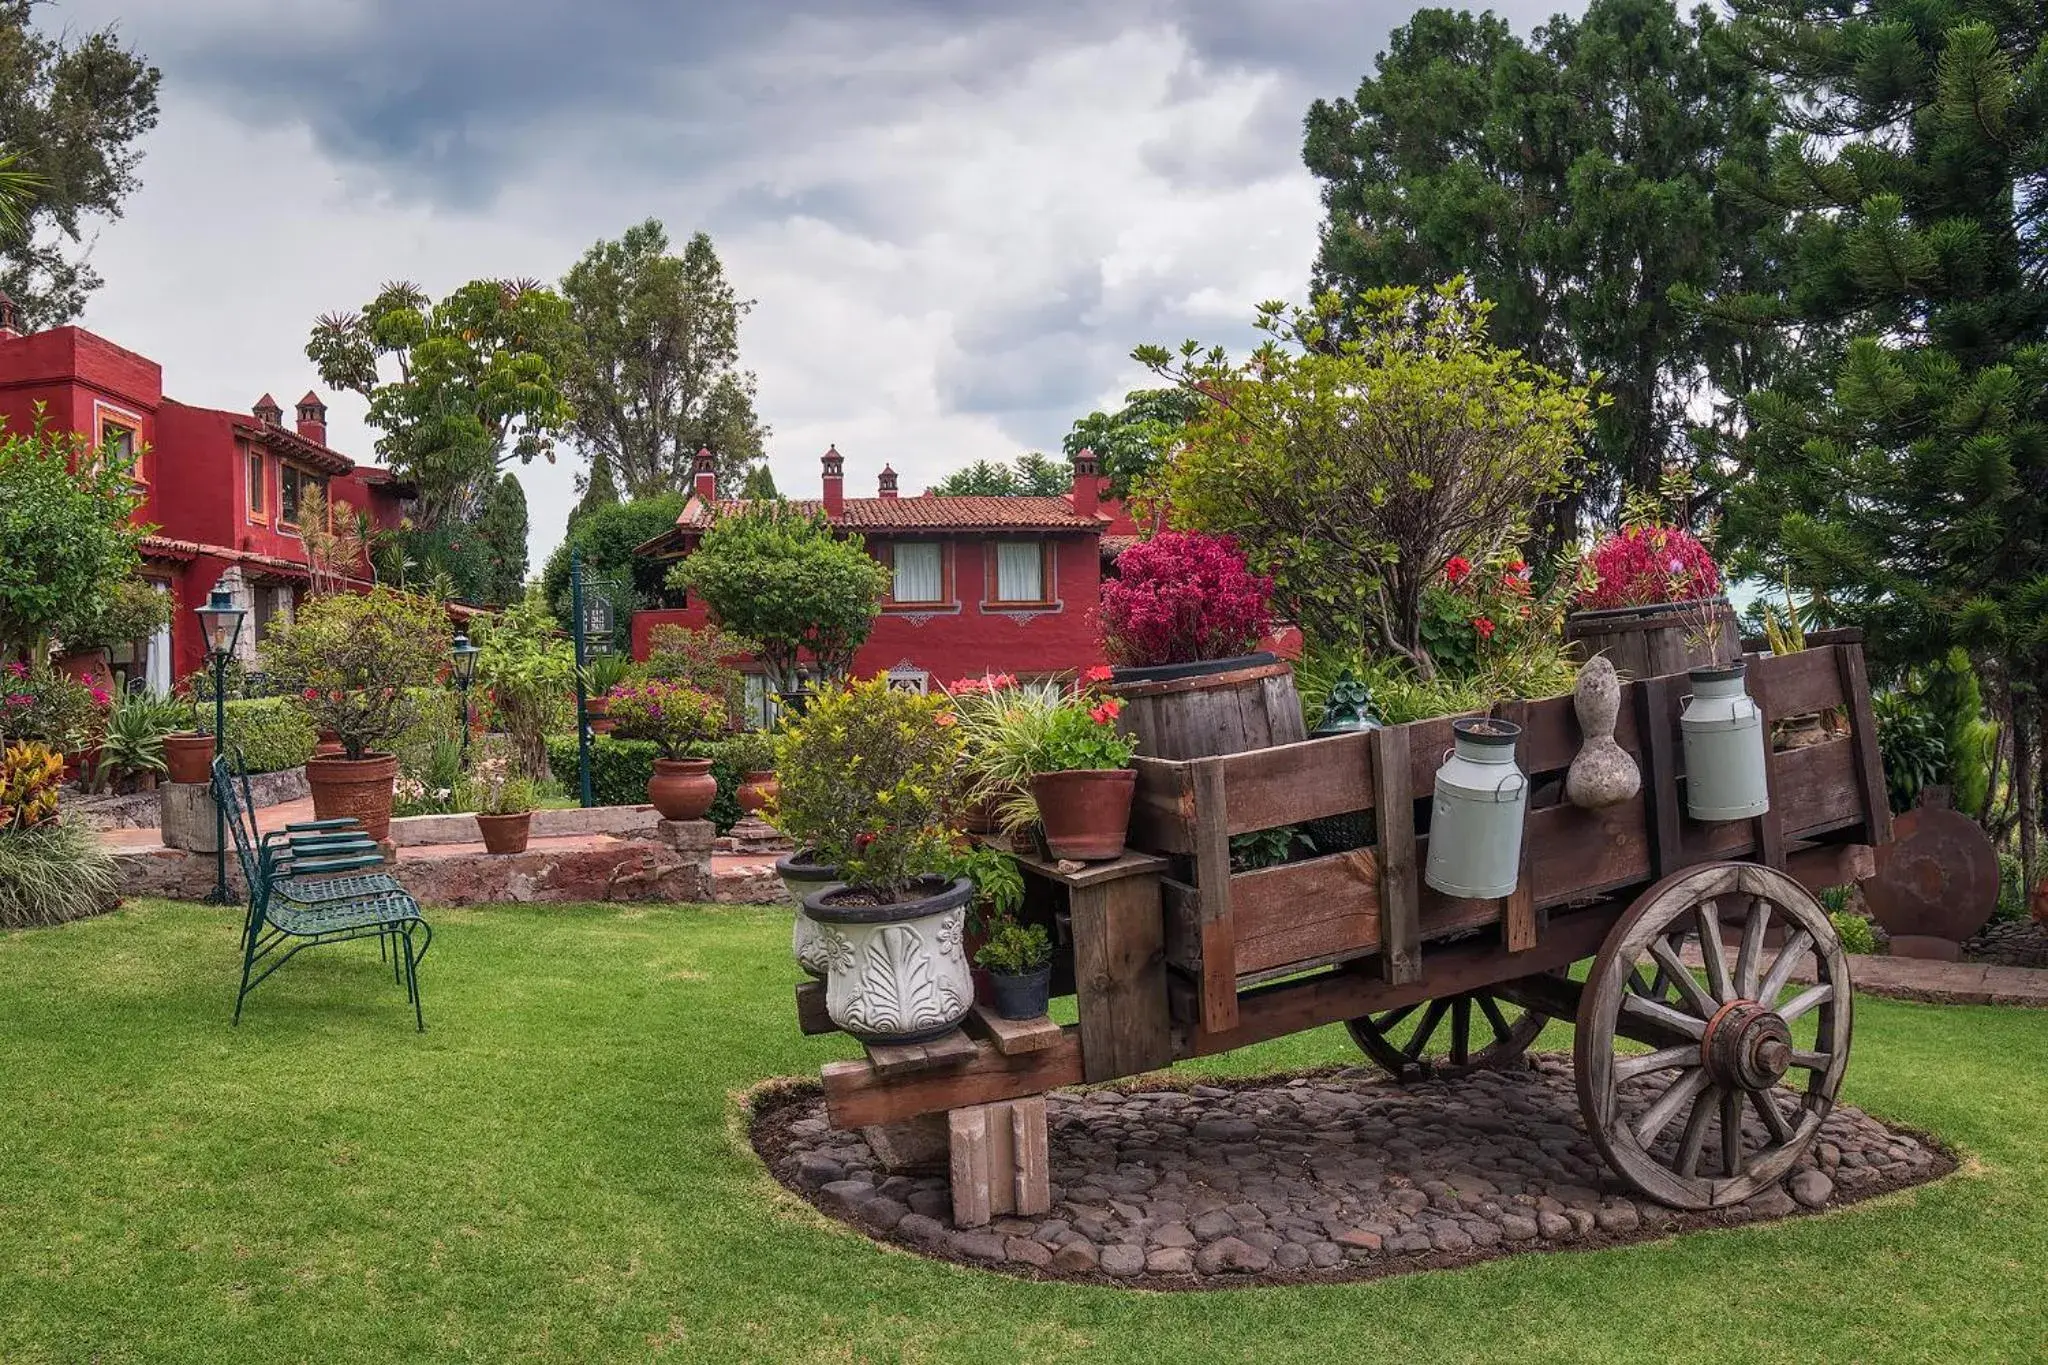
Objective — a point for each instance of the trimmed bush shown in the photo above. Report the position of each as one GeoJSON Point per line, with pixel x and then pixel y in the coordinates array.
{"type": "Point", "coordinates": [271, 733]}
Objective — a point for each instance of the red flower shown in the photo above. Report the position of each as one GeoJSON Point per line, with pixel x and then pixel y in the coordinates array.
{"type": "Point", "coordinates": [1458, 569]}
{"type": "Point", "coordinates": [1099, 673]}
{"type": "Point", "coordinates": [1484, 625]}
{"type": "Point", "coordinates": [945, 718]}
{"type": "Point", "coordinates": [311, 694]}
{"type": "Point", "coordinates": [1105, 711]}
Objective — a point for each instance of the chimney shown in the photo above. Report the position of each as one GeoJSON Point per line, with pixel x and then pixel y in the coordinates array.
{"type": "Point", "coordinates": [268, 412]}
{"type": "Point", "coordinates": [10, 325]}
{"type": "Point", "coordinates": [835, 482]}
{"type": "Point", "coordinates": [312, 418]}
{"type": "Point", "coordinates": [888, 482]}
{"type": "Point", "coordinates": [707, 478]}
{"type": "Point", "coordinates": [1087, 493]}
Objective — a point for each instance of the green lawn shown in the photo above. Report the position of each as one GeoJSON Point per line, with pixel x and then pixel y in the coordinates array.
{"type": "Point", "coordinates": [556, 1171]}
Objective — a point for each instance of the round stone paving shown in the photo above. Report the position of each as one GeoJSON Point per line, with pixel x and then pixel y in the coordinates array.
{"type": "Point", "coordinates": [1334, 1175]}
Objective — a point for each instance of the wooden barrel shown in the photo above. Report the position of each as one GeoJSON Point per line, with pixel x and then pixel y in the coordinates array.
{"type": "Point", "coordinates": [1650, 641]}
{"type": "Point", "coordinates": [1226, 706]}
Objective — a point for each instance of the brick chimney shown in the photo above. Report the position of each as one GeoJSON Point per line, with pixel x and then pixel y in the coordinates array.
{"type": "Point", "coordinates": [887, 483]}
{"type": "Point", "coordinates": [835, 482]}
{"type": "Point", "coordinates": [268, 412]}
{"type": "Point", "coordinates": [313, 418]}
{"type": "Point", "coordinates": [1087, 495]}
{"type": "Point", "coordinates": [10, 320]}
{"type": "Point", "coordinates": [707, 477]}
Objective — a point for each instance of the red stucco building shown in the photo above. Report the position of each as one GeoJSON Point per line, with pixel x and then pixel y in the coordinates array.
{"type": "Point", "coordinates": [221, 489]}
{"type": "Point", "coordinates": [979, 584]}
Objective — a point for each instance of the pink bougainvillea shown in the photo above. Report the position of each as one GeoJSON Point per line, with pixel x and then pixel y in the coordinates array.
{"type": "Point", "coordinates": [1648, 564]}
{"type": "Point", "coordinates": [1183, 597]}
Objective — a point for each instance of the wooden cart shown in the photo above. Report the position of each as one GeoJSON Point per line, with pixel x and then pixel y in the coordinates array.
{"type": "Point", "coordinates": [1697, 1091]}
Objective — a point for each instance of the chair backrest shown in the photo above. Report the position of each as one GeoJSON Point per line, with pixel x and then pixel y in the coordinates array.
{"type": "Point", "coordinates": [241, 819]}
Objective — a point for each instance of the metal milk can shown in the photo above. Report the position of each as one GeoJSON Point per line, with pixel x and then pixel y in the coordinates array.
{"type": "Point", "coordinates": [1475, 823]}
{"type": "Point", "coordinates": [1723, 730]}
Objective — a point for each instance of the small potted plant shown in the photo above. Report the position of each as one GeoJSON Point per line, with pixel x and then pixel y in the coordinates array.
{"type": "Point", "coordinates": [502, 800]}
{"type": "Point", "coordinates": [1646, 590]}
{"type": "Point", "coordinates": [998, 894]}
{"type": "Point", "coordinates": [1019, 961]}
{"type": "Point", "coordinates": [677, 718]}
{"type": "Point", "coordinates": [1080, 778]}
{"type": "Point", "coordinates": [870, 785]}
{"type": "Point", "coordinates": [600, 676]}
{"type": "Point", "coordinates": [752, 752]}
{"type": "Point", "coordinates": [188, 750]}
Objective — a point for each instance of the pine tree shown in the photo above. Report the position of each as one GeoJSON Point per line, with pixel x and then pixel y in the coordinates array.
{"type": "Point", "coordinates": [1904, 471]}
{"type": "Point", "coordinates": [759, 485]}
{"type": "Point", "coordinates": [501, 528]}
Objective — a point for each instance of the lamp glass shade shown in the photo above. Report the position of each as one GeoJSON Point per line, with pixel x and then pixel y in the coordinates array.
{"type": "Point", "coordinates": [221, 622]}
{"type": "Point", "coordinates": [464, 654]}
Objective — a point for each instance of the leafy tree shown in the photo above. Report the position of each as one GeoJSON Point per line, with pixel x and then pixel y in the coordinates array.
{"type": "Point", "coordinates": [474, 382]}
{"type": "Point", "coordinates": [67, 539]}
{"type": "Point", "coordinates": [501, 537]}
{"type": "Point", "coordinates": [607, 536]}
{"type": "Point", "coordinates": [530, 672]}
{"type": "Point", "coordinates": [760, 484]}
{"type": "Point", "coordinates": [72, 109]}
{"type": "Point", "coordinates": [1130, 442]}
{"type": "Point", "coordinates": [781, 577]}
{"type": "Point", "coordinates": [1353, 468]}
{"type": "Point", "coordinates": [1904, 475]}
{"type": "Point", "coordinates": [1573, 178]}
{"type": "Point", "coordinates": [655, 375]}
{"type": "Point", "coordinates": [1032, 474]}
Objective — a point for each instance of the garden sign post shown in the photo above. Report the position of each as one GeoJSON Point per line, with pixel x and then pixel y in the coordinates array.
{"type": "Point", "coordinates": [592, 623]}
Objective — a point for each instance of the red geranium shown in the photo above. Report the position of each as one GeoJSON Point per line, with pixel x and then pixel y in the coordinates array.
{"type": "Point", "coordinates": [1457, 569]}
{"type": "Point", "coordinates": [1484, 625]}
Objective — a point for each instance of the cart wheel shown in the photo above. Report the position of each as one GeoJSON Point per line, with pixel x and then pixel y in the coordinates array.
{"type": "Point", "coordinates": [1718, 1048]}
{"type": "Point", "coordinates": [1484, 1031]}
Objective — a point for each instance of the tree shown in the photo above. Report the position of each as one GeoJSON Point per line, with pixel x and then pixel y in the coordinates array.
{"type": "Point", "coordinates": [655, 375]}
{"type": "Point", "coordinates": [1130, 442]}
{"type": "Point", "coordinates": [67, 538]}
{"type": "Point", "coordinates": [760, 484]}
{"type": "Point", "coordinates": [1903, 475]}
{"type": "Point", "coordinates": [1033, 474]}
{"type": "Point", "coordinates": [501, 537]}
{"type": "Point", "coordinates": [607, 536]}
{"type": "Point", "coordinates": [1573, 179]}
{"type": "Point", "coordinates": [72, 109]}
{"type": "Point", "coordinates": [1353, 467]}
{"type": "Point", "coordinates": [781, 577]}
{"type": "Point", "coordinates": [475, 382]}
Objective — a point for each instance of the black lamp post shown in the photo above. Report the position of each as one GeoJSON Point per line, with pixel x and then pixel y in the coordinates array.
{"type": "Point", "coordinates": [465, 672]}
{"type": "Point", "coordinates": [220, 622]}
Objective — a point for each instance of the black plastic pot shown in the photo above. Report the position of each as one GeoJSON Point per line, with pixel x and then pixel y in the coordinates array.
{"type": "Point", "coordinates": [1023, 996]}
{"type": "Point", "coordinates": [1122, 674]}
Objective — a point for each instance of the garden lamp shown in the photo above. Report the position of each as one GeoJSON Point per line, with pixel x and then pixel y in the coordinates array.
{"type": "Point", "coordinates": [464, 654]}
{"type": "Point", "coordinates": [220, 625]}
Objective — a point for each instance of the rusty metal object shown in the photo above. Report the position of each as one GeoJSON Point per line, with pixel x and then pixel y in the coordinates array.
{"type": "Point", "coordinates": [1937, 879]}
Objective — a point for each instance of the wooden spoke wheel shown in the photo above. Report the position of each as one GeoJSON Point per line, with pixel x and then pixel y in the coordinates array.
{"type": "Point", "coordinates": [1476, 1029]}
{"type": "Point", "coordinates": [1712, 1113]}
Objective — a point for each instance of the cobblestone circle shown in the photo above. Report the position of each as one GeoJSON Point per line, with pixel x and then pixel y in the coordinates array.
{"type": "Point", "coordinates": [1334, 1175]}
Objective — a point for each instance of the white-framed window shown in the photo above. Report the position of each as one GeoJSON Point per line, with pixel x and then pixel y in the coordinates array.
{"type": "Point", "coordinates": [759, 705]}
{"type": "Point", "coordinates": [916, 680]}
{"type": "Point", "coordinates": [1020, 571]}
{"type": "Point", "coordinates": [919, 569]}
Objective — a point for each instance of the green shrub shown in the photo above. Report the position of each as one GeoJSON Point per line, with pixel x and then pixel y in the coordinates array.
{"type": "Point", "coordinates": [1015, 949]}
{"type": "Point", "coordinates": [1910, 739]}
{"type": "Point", "coordinates": [620, 769]}
{"type": "Point", "coordinates": [2014, 887]}
{"type": "Point", "coordinates": [272, 734]}
{"type": "Point", "coordinates": [53, 872]}
{"type": "Point", "coordinates": [436, 720]}
{"type": "Point", "coordinates": [1855, 932]}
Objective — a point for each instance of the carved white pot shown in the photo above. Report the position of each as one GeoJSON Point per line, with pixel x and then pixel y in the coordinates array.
{"type": "Point", "coordinates": [802, 879]}
{"type": "Point", "coordinates": [896, 973]}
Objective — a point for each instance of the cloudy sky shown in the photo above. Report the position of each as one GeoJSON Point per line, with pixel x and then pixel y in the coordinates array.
{"type": "Point", "coordinates": [956, 216]}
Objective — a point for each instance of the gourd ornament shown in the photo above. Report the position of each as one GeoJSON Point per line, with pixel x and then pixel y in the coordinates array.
{"type": "Point", "coordinates": [1603, 774]}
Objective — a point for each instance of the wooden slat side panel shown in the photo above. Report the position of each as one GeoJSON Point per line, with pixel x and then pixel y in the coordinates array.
{"type": "Point", "coordinates": [1286, 785]}
{"type": "Point", "coordinates": [1797, 684]}
{"type": "Point", "coordinates": [1551, 738]}
{"type": "Point", "coordinates": [1120, 977]}
{"type": "Point", "coordinates": [1306, 910]}
{"type": "Point", "coordinates": [1869, 764]}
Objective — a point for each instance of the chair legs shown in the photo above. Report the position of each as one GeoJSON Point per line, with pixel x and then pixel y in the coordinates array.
{"type": "Point", "coordinates": [412, 982]}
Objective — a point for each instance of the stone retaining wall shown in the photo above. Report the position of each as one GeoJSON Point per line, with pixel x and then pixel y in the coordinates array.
{"type": "Point", "coordinates": [143, 810]}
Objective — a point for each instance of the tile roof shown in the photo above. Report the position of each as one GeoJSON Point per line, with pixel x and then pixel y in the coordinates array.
{"type": "Point", "coordinates": [290, 443]}
{"type": "Point", "coordinates": [929, 512]}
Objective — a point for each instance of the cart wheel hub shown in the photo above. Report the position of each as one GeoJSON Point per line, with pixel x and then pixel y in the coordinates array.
{"type": "Point", "coordinates": [1747, 1046]}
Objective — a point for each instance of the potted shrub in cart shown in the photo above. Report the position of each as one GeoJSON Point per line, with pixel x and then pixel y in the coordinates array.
{"type": "Point", "coordinates": [1080, 776]}
{"type": "Point", "coordinates": [1019, 961]}
{"type": "Point", "coordinates": [675, 717]}
{"type": "Point", "coordinates": [502, 800]}
{"type": "Point", "coordinates": [1182, 621]}
{"type": "Point", "coordinates": [358, 663]}
{"type": "Point", "coordinates": [870, 784]}
{"type": "Point", "coordinates": [1646, 591]}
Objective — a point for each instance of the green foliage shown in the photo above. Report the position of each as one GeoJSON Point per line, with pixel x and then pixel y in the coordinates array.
{"type": "Point", "coordinates": [1081, 736]}
{"type": "Point", "coordinates": [606, 671]}
{"type": "Point", "coordinates": [269, 734]}
{"type": "Point", "coordinates": [1353, 468]}
{"type": "Point", "coordinates": [607, 535]}
{"type": "Point", "coordinates": [39, 703]}
{"type": "Point", "coordinates": [619, 768]}
{"type": "Point", "coordinates": [500, 532]}
{"type": "Point", "coordinates": [475, 382]}
{"type": "Point", "coordinates": [668, 714]}
{"type": "Point", "coordinates": [54, 872]}
{"type": "Point", "coordinates": [998, 883]}
{"type": "Point", "coordinates": [760, 484]}
{"type": "Point", "coordinates": [352, 660]}
{"type": "Point", "coordinates": [66, 539]}
{"type": "Point", "coordinates": [781, 577]}
{"type": "Point", "coordinates": [430, 777]}
{"type": "Point", "coordinates": [1033, 474]}
{"type": "Point", "coordinates": [749, 751]}
{"type": "Point", "coordinates": [1130, 443]}
{"type": "Point", "coordinates": [131, 740]}
{"type": "Point", "coordinates": [529, 672]}
{"type": "Point", "coordinates": [1910, 740]}
{"type": "Point", "coordinates": [494, 785]}
{"type": "Point", "coordinates": [870, 779]}
{"type": "Point", "coordinates": [2015, 887]}
{"type": "Point", "coordinates": [1855, 932]}
{"type": "Point", "coordinates": [653, 374]}
{"type": "Point", "coordinates": [73, 107]}
{"type": "Point", "coordinates": [132, 610]}
{"type": "Point", "coordinates": [1269, 847]}
{"type": "Point", "coordinates": [698, 658]}
{"type": "Point", "coordinates": [31, 775]}
{"type": "Point", "coordinates": [1016, 950]}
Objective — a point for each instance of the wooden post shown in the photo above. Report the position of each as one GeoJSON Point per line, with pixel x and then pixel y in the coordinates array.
{"type": "Point", "coordinates": [1770, 826]}
{"type": "Point", "coordinates": [1660, 773]}
{"type": "Point", "coordinates": [1120, 973]}
{"type": "Point", "coordinates": [1518, 908]}
{"type": "Point", "coordinates": [1877, 807]}
{"type": "Point", "coordinates": [998, 1161]}
{"type": "Point", "coordinates": [1400, 878]}
{"type": "Point", "coordinates": [1212, 877]}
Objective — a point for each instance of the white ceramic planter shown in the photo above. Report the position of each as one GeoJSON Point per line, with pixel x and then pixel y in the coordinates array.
{"type": "Point", "coordinates": [896, 973]}
{"type": "Point", "coordinates": [1475, 821]}
{"type": "Point", "coordinates": [801, 880]}
{"type": "Point", "coordinates": [1723, 731]}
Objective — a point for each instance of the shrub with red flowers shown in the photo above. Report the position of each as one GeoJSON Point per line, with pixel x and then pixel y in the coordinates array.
{"type": "Point", "coordinates": [1184, 597]}
{"type": "Point", "coordinates": [1482, 615]}
{"type": "Point", "coordinates": [39, 703]}
{"type": "Point", "coordinates": [1646, 564]}
{"type": "Point", "coordinates": [670, 714]}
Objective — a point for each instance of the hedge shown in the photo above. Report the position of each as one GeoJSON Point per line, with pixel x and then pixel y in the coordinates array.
{"type": "Point", "coordinates": [270, 733]}
{"type": "Point", "coordinates": [620, 769]}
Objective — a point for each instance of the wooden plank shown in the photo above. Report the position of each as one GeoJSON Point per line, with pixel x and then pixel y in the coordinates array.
{"type": "Point", "coordinates": [1033, 1166]}
{"type": "Point", "coordinates": [1012, 1036]}
{"type": "Point", "coordinates": [1770, 826]}
{"type": "Point", "coordinates": [1399, 868]}
{"type": "Point", "coordinates": [967, 1140]}
{"type": "Point", "coordinates": [1819, 866]}
{"type": "Point", "coordinates": [1518, 907]}
{"type": "Point", "coordinates": [1131, 864]}
{"type": "Point", "coordinates": [856, 1096]}
{"type": "Point", "coordinates": [1551, 738]}
{"type": "Point", "coordinates": [1212, 875]}
{"type": "Point", "coordinates": [1120, 977]}
{"type": "Point", "coordinates": [1870, 782]}
{"type": "Point", "coordinates": [1267, 788]}
{"type": "Point", "coordinates": [1658, 758]}
{"type": "Point", "coordinates": [1797, 684]}
{"type": "Point", "coordinates": [810, 1008]}
{"type": "Point", "coordinates": [895, 1059]}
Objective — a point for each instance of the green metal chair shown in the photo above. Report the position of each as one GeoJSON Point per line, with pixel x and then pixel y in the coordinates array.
{"type": "Point", "coordinates": [310, 884]}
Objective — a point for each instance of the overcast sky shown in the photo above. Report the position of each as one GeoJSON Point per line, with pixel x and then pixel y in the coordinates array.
{"type": "Point", "coordinates": [957, 216]}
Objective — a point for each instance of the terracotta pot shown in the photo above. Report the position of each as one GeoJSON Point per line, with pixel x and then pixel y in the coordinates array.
{"type": "Point", "coordinates": [328, 745]}
{"type": "Point", "coordinates": [755, 790]}
{"type": "Point", "coordinates": [190, 757]}
{"type": "Point", "coordinates": [682, 788]}
{"type": "Point", "coordinates": [505, 833]}
{"type": "Point", "coordinates": [598, 709]}
{"type": "Point", "coordinates": [1086, 813]}
{"type": "Point", "coordinates": [354, 789]}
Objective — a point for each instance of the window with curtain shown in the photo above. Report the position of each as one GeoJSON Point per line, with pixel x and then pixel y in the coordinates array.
{"type": "Point", "coordinates": [918, 572]}
{"type": "Point", "coordinates": [1020, 571]}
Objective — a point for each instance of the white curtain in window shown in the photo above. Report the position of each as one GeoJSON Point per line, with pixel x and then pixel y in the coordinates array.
{"type": "Point", "coordinates": [1019, 572]}
{"type": "Point", "coordinates": [917, 572]}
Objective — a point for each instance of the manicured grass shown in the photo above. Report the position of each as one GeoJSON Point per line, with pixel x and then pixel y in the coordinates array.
{"type": "Point", "coordinates": [556, 1171]}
